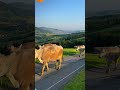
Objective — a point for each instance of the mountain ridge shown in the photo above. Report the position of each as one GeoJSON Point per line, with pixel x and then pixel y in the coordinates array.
{"type": "Point", "coordinates": [50, 30]}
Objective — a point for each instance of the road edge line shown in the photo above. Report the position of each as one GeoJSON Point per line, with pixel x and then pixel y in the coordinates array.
{"type": "Point", "coordinates": [65, 77]}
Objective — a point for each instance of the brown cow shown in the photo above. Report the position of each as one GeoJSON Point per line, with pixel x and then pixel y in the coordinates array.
{"type": "Point", "coordinates": [25, 68]}
{"type": "Point", "coordinates": [81, 49]}
{"type": "Point", "coordinates": [28, 45]}
{"type": "Point", "coordinates": [111, 54]}
{"type": "Point", "coordinates": [49, 52]}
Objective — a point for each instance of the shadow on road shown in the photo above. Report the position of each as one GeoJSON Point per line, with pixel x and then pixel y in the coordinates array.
{"type": "Point", "coordinates": [96, 79]}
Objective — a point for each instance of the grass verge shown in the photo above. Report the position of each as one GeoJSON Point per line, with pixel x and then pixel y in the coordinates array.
{"type": "Point", "coordinates": [78, 83]}
{"type": "Point", "coordinates": [92, 61]}
{"type": "Point", "coordinates": [5, 82]}
{"type": "Point", "coordinates": [70, 51]}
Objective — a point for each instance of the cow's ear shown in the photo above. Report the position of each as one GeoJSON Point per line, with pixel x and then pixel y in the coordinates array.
{"type": "Point", "coordinates": [20, 46]}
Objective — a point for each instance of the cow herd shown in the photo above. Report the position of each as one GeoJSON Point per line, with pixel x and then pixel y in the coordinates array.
{"type": "Point", "coordinates": [19, 65]}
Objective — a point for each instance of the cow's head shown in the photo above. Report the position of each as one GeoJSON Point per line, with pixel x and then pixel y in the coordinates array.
{"type": "Point", "coordinates": [38, 54]}
{"type": "Point", "coordinates": [102, 53]}
{"type": "Point", "coordinates": [97, 50]}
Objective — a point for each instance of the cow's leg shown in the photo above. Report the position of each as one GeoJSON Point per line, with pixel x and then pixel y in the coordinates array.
{"type": "Point", "coordinates": [108, 67]}
{"type": "Point", "coordinates": [25, 87]}
{"type": "Point", "coordinates": [13, 81]}
{"type": "Point", "coordinates": [47, 66]}
{"type": "Point", "coordinates": [57, 64]}
{"type": "Point", "coordinates": [60, 62]}
{"type": "Point", "coordinates": [43, 69]}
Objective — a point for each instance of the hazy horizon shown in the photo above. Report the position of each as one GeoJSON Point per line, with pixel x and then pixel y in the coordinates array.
{"type": "Point", "coordinates": [60, 29]}
{"type": "Point", "coordinates": [63, 14]}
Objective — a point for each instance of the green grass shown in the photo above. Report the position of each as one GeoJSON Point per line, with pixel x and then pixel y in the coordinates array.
{"type": "Point", "coordinates": [78, 82]}
{"type": "Point", "coordinates": [70, 51]}
{"type": "Point", "coordinates": [37, 61]}
{"type": "Point", "coordinates": [5, 82]}
{"type": "Point", "coordinates": [92, 61]}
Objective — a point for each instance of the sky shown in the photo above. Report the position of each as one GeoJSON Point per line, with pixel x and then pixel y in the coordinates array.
{"type": "Point", "coordinates": [60, 14]}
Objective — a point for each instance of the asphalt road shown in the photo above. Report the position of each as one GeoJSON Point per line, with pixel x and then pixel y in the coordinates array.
{"type": "Point", "coordinates": [96, 79]}
{"type": "Point", "coordinates": [55, 80]}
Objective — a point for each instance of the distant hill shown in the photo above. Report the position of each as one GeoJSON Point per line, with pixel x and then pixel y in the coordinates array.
{"type": "Point", "coordinates": [66, 40]}
{"type": "Point", "coordinates": [44, 30]}
{"type": "Point", "coordinates": [16, 23]}
{"type": "Point", "coordinates": [77, 31]}
{"type": "Point", "coordinates": [16, 9]}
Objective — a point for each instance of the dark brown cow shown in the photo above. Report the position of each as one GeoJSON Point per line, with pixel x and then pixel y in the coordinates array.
{"type": "Point", "coordinates": [25, 68]}
{"type": "Point", "coordinates": [28, 45]}
{"type": "Point", "coordinates": [111, 54]}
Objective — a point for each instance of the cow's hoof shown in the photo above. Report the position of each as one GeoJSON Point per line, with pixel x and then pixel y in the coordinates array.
{"type": "Point", "coordinates": [58, 68]}
{"type": "Point", "coordinates": [40, 74]}
{"type": "Point", "coordinates": [16, 84]}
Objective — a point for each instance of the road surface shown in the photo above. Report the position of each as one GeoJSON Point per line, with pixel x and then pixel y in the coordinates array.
{"type": "Point", "coordinates": [96, 79]}
{"type": "Point", "coordinates": [55, 80]}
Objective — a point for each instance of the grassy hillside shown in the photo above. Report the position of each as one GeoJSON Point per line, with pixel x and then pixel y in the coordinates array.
{"type": "Point", "coordinates": [66, 40]}
{"type": "Point", "coordinates": [102, 31]}
{"type": "Point", "coordinates": [16, 24]}
{"type": "Point", "coordinates": [45, 30]}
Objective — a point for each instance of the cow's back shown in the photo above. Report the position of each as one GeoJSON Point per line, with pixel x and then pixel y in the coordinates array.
{"type": "Point", "coordinates": [52, 53]}
{"type": "Point", "coordinates": [28, 45]}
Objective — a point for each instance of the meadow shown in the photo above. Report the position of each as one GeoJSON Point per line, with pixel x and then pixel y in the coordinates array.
{"type": "Point", "coordinates": [92, 61]}
{"type": "Point", "coordinates": [70, 52]}
{"type": "Point", "coordinates": [77, 83]}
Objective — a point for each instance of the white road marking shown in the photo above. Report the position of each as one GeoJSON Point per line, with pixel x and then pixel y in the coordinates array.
{"type": "Point", "coordinates": [65, 77]}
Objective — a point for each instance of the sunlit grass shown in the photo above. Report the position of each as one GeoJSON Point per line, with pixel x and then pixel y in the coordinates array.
{"type": "Point", "coordinates": [5, 82]}
{"type": "Point", "coordinates": [70, 51]}
{"type": "Point", "coordinates": [92, 61]}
